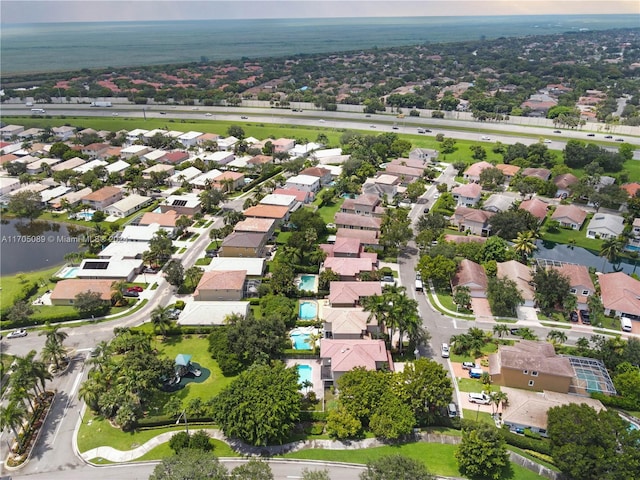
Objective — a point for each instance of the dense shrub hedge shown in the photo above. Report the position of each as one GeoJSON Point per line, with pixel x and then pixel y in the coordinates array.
{"type": "Point", "coordinates": [526, 443]}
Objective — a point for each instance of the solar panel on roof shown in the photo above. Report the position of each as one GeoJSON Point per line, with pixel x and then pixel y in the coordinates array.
{"type": "Point", "coordinates": [179, 203]}
{"type": "Point", "coordinates": [96, 266]}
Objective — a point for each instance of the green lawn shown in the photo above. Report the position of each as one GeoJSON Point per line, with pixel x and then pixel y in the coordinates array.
{"type": "Point", "coordinates": [97, 432]}
{"type": "Point", "coordinates": [483, 417]}
{"type": "Point", "coordinates": [197, 347]}
{"type": "Point", "coordinates": [328, 212]}
{"type": "Point", "coordinates": [474, 385]}
{"type": "Point", "coordinates": [12, 284]}
{"type": "Point", "coordinates": [439, 458]}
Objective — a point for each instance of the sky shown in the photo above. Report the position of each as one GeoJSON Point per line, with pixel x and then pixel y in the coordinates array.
{"type": "Point", "coordinates": [38, 11]}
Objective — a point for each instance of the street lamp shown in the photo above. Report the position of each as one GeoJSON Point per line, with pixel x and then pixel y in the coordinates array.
{"type": "Point", "coordinates": [186, 425]}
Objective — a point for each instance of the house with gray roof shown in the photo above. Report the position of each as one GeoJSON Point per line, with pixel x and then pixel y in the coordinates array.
{"type": "Point", "coordinates": [498, 203]}
{"type": "Point", "coordinates": [605, 225]}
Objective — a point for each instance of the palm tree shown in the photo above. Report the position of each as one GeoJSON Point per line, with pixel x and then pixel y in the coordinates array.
{"type": "Point", "coordinates": [102, 356]}
{"type": "Point", "coordinates": [13, 416]}
{"type": "Point", "coordinates": [54, 335]}
{"type": "Point", "coordinates": [557, 336]}
{"type": "Point", "coordinates": [525, 244]}
{"type": "Point", "coordinates": [193, 274]}
{"type": "Point", "coordinates": [610, 250]}
{"type": "Point", "coordinates": [215, 234]}
{"type": "Point", "coordinates": [500, 329]}
{"type": "Point", "coordinates": [53, 352]}
{"type": "Point", "coordinates": [160, 319]}
{"type": "Point", "coordinates": [116, 292]}
{"type": "Point", "coordinates": [90, 392]}
{"type": "Point", "coordinates": [497, 398]}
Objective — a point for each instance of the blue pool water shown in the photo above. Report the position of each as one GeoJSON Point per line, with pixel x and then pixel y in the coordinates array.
{"type": "Point", "coordinates": [307, 282]}
{"type": "Point", "coordinates": [157, 210]}
{"type": "Point", "coordinates": [304, 373]}
{"type": "Point", "coordinates": [86, 216]}
{"type": "Point", "coordinates": [308, 310]}
{"type": "Point", "coordinates": [632, 248]}
{"type": "Point", "coordinates": [72, 272]}
{"type": "Point", "coordinates": [300, 341]}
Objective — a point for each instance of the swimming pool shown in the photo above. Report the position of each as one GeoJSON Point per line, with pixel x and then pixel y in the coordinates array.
{"type": "Point", "coordinates": [307, 282]}
{"type": "Point", "coordinates": [308, 310]}
{"type": "Point", "coordinates": [301, 341]}
{"type": "Point", "coordinates": [86, 216]}
{"type": "Point", "coordinates": [304, 373]}
{"type": "Point", "coordinates": [70, 272]}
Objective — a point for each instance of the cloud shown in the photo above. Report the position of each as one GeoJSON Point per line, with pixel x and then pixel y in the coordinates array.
{"type": "Point", "coordinates": [36, 11]}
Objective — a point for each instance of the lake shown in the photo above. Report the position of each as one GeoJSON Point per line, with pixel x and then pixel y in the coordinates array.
{"type": "Point", "coordinates": [581, 256]}
{"type": "Point", "coordinates": [50, 47]}
{"type": "Point", "coordinates": [28, 246]}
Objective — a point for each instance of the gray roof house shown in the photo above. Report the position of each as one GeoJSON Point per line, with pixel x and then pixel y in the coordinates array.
{"type": "Point", "coordinates": [605, 225]}
{"type": "Point", "coordinates": [498, 202]}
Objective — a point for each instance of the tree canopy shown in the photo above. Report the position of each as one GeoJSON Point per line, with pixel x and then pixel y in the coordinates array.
{"type": "Point", "coordinates": [261, 406]}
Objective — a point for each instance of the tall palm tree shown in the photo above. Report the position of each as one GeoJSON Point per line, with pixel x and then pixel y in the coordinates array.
{"type": "Point", "coordinates": [102, 356]}
{"type": "Point", "coordinates": [54, 334]}
{"type": "Point", "coordinates": [496, 399]}
{"type": "Point", "coordinates": [13, 416]}
{"type": "Point", "coordinates": [193, 274]}
{"type": "Point", "coordinates": [160, 319]}
{"type": "Point", "coordinates": [525, 244]}
{"type": "Point", "coordinates": [90, 392]}
{"type": "Point", "coordinates": [53, 353]}
{"type": "Point", "coordinates": [557, 336]}
{"type": "Point", "coordinates": [610, 250]}
{"type": "Point", "coordinates": [527, 334]}
{"type": "Point", "coordinates": [500, 329]}
{"type": "Point", "coordinates": [117, 296]}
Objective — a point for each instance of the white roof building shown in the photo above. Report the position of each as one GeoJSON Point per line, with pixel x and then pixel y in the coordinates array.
{"type": "Point", "coordinates": [253, 266]}
{"type": "Point", "coordinates": [128, 205]}
{"type": "Point", "coordinates": [116, 269]}
{"type": "Point", "coordinates": [136, 134]}
{"type": "Point", "coordinates": [301, 150]}
{"type": "Point", "coordinates": [201, 180]}
{"type": "Point", "coordinates": [48, 195]}
{"type": "Point", "coordinates": [279, 199]}
{"type": "Point", "coordinates": [211, 312]}
{"type": "Point", "coordinates": [134, 151]}
{"type": "Point", "coordinates": [140, 233]}
{"type": "Point", "coordinates": [221, 158]}
{"type": "Point", "coordinates": [187, 174]}
{"type": "Point", "coordinates": [8, 184]}
{"type": "Point", "coordinates": [227, 143]}
{"type": "Point", "coordinates": [190, 138]}
{"type": "Point", "coordinates": [154, 156]}
{"type": "Point", "coordinates": [306, 183]}
{"type": "Point", "coordinates": [119, 249]}
{"type": "Point", "coordinates": [117, 166]}
{"type": "Point", "coordinates": [89, 166]}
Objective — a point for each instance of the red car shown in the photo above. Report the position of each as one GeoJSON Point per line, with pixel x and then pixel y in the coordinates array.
{"type": "Point", "coordinates": [135, 289]}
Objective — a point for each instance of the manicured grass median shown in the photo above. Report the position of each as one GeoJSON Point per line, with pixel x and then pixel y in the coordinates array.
{"type": "Point", "coordinates": [439, 458]}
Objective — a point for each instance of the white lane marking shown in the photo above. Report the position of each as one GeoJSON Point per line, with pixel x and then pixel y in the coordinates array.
{"type": "Point", "coordinates": [73, 391]}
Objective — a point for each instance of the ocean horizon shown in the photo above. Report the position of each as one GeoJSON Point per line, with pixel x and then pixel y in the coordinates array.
{"type": "Point", "coordinates": [57, 47]}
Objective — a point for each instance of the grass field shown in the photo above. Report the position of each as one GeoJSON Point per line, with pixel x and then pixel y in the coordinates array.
{"type": "Point", "coordinates": [12, 284]}
{"type": "Point", "coordinates": [438, 458]}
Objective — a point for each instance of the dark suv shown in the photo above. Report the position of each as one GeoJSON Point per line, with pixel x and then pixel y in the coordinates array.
{"type": "Point", "coordinates": [584, 317]}
{"type": "Point", "coordinates": [573, 316]}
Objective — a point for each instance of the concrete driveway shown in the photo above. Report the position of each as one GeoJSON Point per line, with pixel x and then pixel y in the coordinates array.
{"type": "Point", "coordinates": [527, 313]}
{"type": "Point", "coordinates": [481, 309]}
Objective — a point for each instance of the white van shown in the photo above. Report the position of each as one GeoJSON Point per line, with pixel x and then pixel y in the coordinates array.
{"type": "Point", "coordinates": [626, 324]}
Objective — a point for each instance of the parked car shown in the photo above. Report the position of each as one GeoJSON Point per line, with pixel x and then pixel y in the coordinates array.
{"type": "Point", "coordinates": [95, 351]}
{"type": "Point", "coordinates": [150, 270]}
{"type": "Point", "coordinates": [129, 293]}
{"type": "Point", "coordinates": [514, 331]}
{"type": "Point", "coordinates": [18, 333]}
{"type": "Point", "coordinates": [452, 410]}
{"type": "Point", "coordinates": [573, 316]}
{"type": "Point", "coordinates": [584, 317]}
{"type": "Point", "coordinates": [476, 372]}
{"type": "Point", "coordinates": [444, 350]}
{"type": "Point", "coordinates": [135, 288]}
{"type": "Point", "coordinates": [481, 398]}
{"type": "Point", "coordinates": [468, 365]}
{"type": "Point", "coordinates": [211, 253]}
{"type": "Point", "coordinates": [388, 278]}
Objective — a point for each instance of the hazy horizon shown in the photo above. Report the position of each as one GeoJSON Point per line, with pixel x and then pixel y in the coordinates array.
{"type": "Point", "coordinates": [73, 11]}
